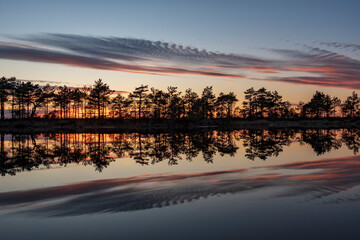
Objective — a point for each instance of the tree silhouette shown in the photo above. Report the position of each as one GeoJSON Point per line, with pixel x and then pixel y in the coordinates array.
{"type": "Point", "coordinates": [321, 140]}
{"type": "Point", "coordinates": [62, 100]}
{"type": "Point", "coordinates": [175, 103]}
{"type": "Point", "coordinates": [227, 102]}
{"type": "Point", "coordinates": [249, 103]}
{"type": "Point", "coordinates": [48, 94]}
{"type": "Point", "coordinates": [99, 153]}
{"type": "Point", "coordinates": [351, 138]}
{"type": "Point", "coordinates": [138, 95]}
{"type": "Point", "coordinates": [25, 153]}
{"type": "Point", "coordinates": [262, 103]}
{"type": "Point", "coordinates": [351, 105]}
{"type": "Point", "coordinates": [320, 105]}
{"type": "Point", "coordinates": [208, 101]}
{"type": "Point", "coordinates": [119, 105]}
{"type": "Point", "coordinates": [99, 97]}
{"type": "Point", "coordinates": [192, 104]}
{"type": "Point", "coordinates": [77, 97]}
{"type": "Point", "coordinates": [159, 104]}
{"type": "Point", "coordinates": [25, 96]}
{"type": "Point", "coordinates": [38, 99]}
{"type": "Point", "coordinates": [263, 144]}
{"type": "Point", "coordinates": [5, 91]}
{"type": "Point", "coordinates": [224, 143]}
{"type": "Point", "coordinates": [140, 151]}
{"type": "Point", "coordinates": [27, 100]}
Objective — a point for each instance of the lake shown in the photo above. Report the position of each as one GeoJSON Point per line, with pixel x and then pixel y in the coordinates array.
{"type": "Point", "coordinates": [241, 184]}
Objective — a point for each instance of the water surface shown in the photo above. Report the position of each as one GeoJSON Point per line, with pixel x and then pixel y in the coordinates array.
{"type": "Point", "coordinates": [250, 184]}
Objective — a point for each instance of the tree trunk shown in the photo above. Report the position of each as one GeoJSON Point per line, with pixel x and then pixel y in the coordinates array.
{"type": "Point", "coordinates": [2, 144]}
{"type": "Point", "coordinates": [33, 111]}
{"type": "Point", "coordinates": [2, 110]}
{"type": "Point", "coordinates": [99, 109]}
{"type": "Point", "coordinates": [12, 105]}
{"type": "Point", "coordinates": [140, 107]}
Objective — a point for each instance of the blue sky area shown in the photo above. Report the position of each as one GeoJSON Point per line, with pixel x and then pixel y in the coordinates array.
{"type": "Point", "coordinates": [295, 47]}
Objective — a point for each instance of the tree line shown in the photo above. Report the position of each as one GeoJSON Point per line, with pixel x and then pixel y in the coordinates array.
{"type": "Point", "coordinates": [26, 152]}
{"type": "Point", "coordinates": [28, 100]}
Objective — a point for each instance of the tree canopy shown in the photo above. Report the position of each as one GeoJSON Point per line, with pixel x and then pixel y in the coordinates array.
{"type": "Point", "coordinates": [24, 99]}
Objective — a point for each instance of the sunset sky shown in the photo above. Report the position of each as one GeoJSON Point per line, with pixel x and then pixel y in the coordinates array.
{"type": "Point", "coordinates": [294, 47]}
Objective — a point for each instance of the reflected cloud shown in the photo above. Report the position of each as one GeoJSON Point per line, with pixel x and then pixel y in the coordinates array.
{"type": "Point", "coordinates": [328, 179]}
{"type": "Point", "coordinates": [308, 180]}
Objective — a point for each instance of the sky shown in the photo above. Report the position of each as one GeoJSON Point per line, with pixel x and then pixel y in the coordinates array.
{"type": "Point", "coordinates": [294, 47]}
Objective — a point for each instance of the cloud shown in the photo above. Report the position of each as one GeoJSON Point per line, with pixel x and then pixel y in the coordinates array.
{"type": "Point", "coordinates": [346, 46]}
{"type": "Point", "coordinates": [327, 179]}
{"type": "Point", "coordinates": [138, 49]}
{"type": "Point", "coordinates": [51, 83]}
{"type": "Point", "coordinates": [309, 66]}
{"type": "Point", "coordinates": [331, 69]}
{"type": "Point", "coordinates": [47, 56]}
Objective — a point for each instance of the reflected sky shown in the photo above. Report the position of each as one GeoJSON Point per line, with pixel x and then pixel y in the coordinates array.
{"type": "Point", "coordinates": [326, 178]}
{"type": "Point", "coordinates": [227, 179]}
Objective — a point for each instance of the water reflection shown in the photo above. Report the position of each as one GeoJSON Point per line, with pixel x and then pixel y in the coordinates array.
{"type": "Point", "coordinates": [323, 141]}
{"type": "Point", "coordinates": [27, 152]}
{"type": "Point", "coordinates": [263, 144]}
{"type": "Point", "coordinates": [326, 179]}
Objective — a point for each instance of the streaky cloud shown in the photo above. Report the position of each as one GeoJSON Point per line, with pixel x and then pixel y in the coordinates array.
{"type": "Point", "coordinates": [331, 69]}
{"type": "Point", "coordinates": [139, 49]}
{"type": "Point", "coordinates": [309, 66]}
{"type": "Point", "coordinates": [346, 46]}
{"type": "Point", "coordinates": [324, 179]}
{"type": "Point", "coordinates": [47, 56]}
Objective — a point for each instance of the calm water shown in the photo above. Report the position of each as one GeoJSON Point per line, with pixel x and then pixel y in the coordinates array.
{"type": "Point", "coordinates": [245, 184]}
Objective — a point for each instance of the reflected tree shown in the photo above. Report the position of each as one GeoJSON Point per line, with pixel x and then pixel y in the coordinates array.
{"type": "Point", "coordinates": [99, 152]}
{"type": "Point", "coordinates": [27, 152]}
{"type": "Point", "coordinates": [320, 140]}
{"type": "Point", "coordinates": [141, 149]}
{"type": "Point", "coordinates": [263, 144]}
{"type": "Point", "coordinates": [351, 138]}
{"type": "Point", "coordinates": [225, 144]}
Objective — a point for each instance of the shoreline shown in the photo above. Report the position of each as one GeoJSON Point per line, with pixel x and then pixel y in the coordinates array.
{"type": "Point", "coordinates": [164, 125]}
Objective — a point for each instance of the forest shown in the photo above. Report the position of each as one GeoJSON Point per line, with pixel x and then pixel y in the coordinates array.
{"type": "Point", "coordinates": [23, 152]}
{"type": "Point", "coordinates": [24, 99]}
